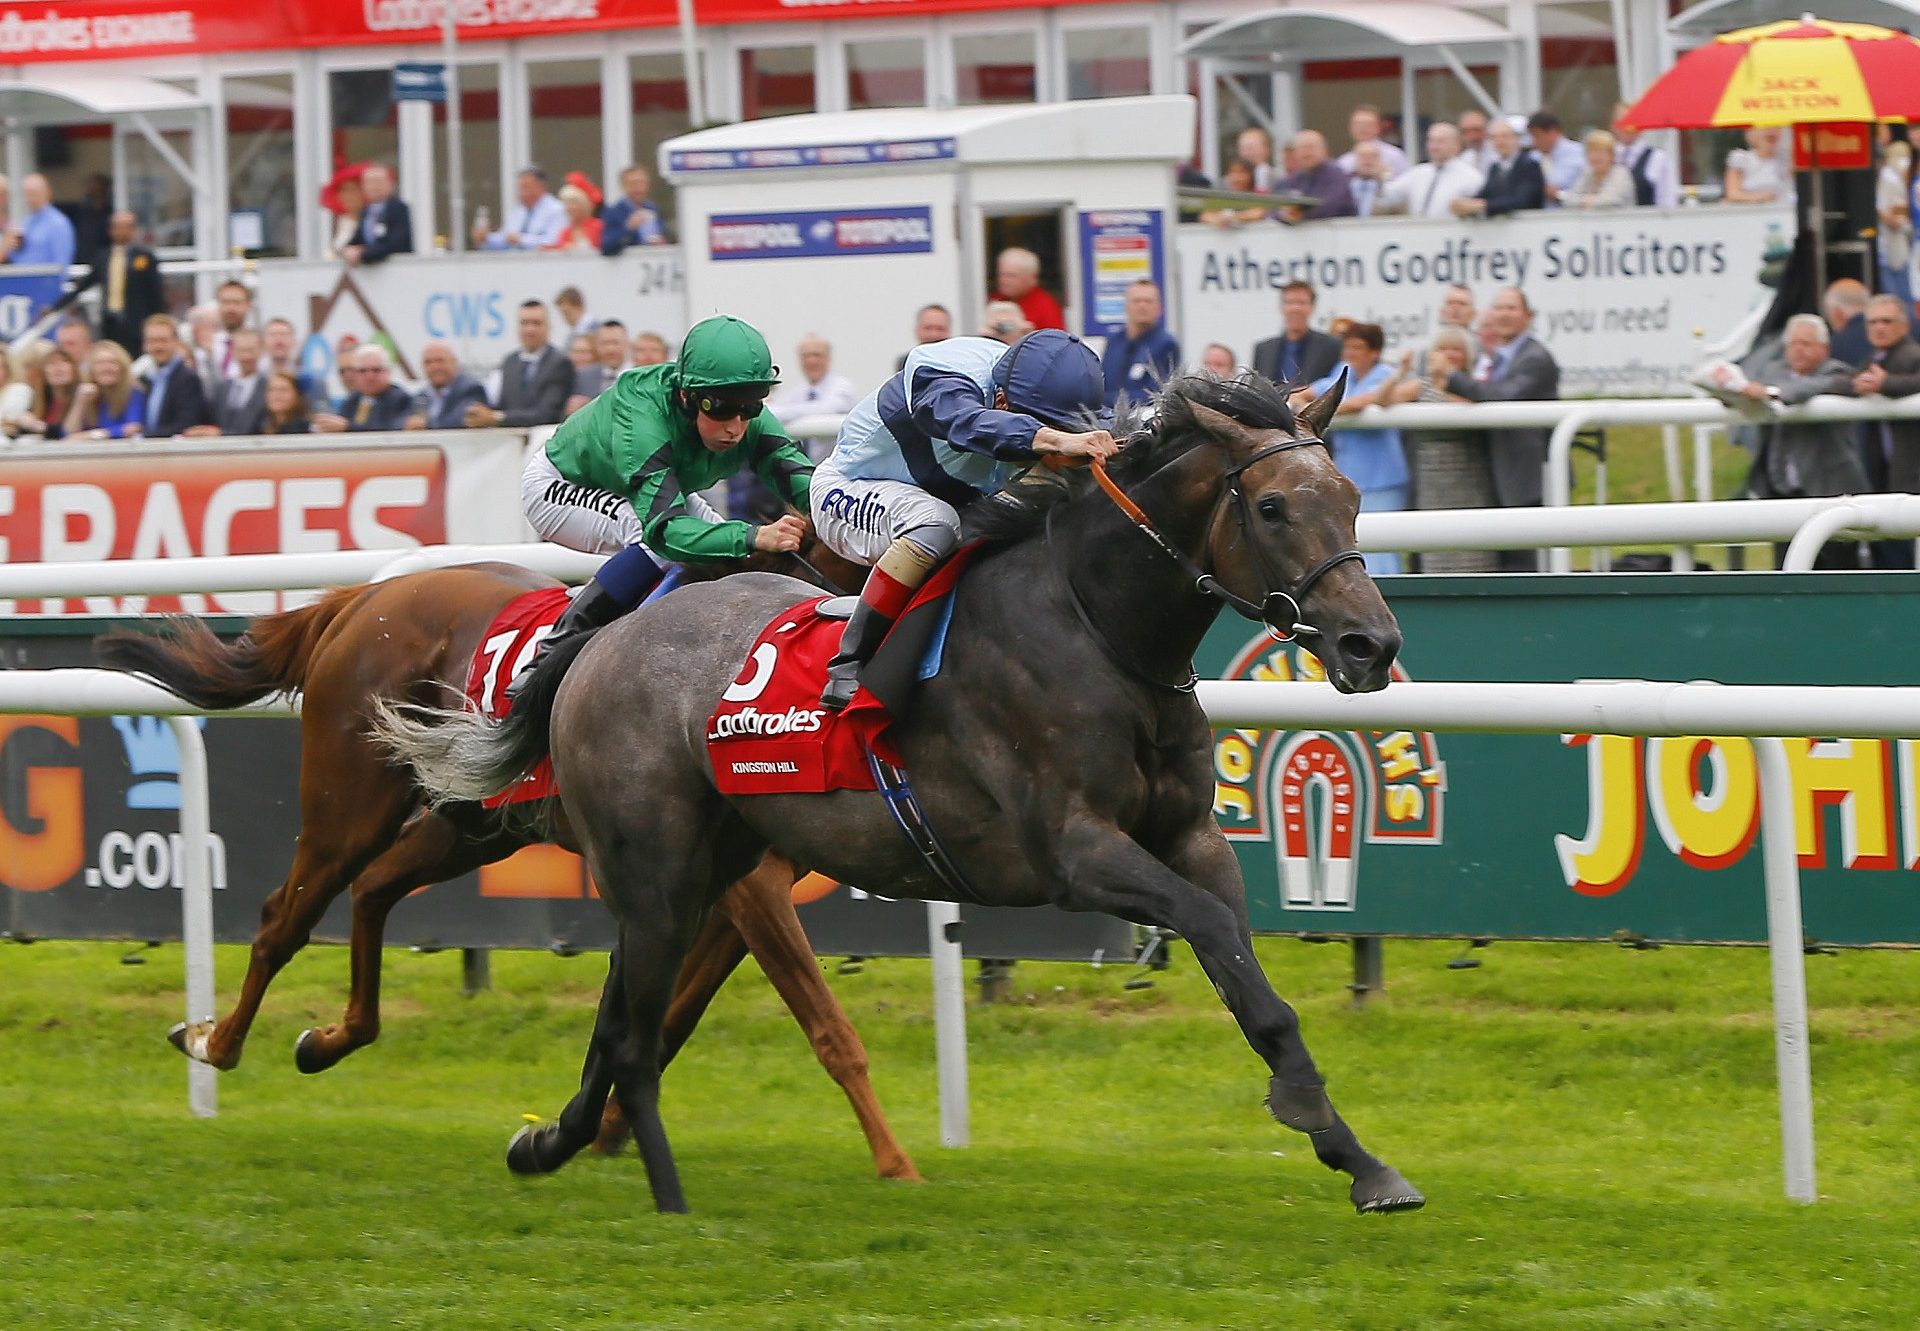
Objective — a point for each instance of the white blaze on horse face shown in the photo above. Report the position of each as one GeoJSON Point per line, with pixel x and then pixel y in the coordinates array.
{"type": "Point", "coordinates": [763, 660]}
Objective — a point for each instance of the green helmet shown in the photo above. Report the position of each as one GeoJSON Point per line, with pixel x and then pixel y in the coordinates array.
{"type": "Point", "coordinates": [725, 352]}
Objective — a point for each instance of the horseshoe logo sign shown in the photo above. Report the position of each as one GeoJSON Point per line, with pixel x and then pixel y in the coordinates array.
{"type": "Point", "coordinates": [1319, 795]}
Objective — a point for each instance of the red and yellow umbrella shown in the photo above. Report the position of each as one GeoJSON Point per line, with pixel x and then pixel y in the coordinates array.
{"type": "Point", "coordinates": [1804, 71]}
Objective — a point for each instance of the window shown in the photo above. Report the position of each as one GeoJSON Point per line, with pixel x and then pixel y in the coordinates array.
{"type": "Point", "coordinates": [776, 81]}
{"type": "Point", "coordinates": [994, 67]}
{"type": "Point", "coordinates": [480, 184]}
{"type": "Point", "coordinates": [260, 156]}
{"type": "Point", "coordinates": [659, 113]}
{"type": "Point", "coordinates": [886, 73]}
{"type": "Point", "coordinates": [1107, 62]}
{"type": "Point", "coordinates": [563, 98]}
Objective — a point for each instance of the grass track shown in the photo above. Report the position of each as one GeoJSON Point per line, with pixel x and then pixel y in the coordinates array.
{"type": "Point", "coordinates": [1594, 1128]}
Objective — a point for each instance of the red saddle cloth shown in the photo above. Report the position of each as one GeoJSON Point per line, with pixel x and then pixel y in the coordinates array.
{"type": "Point", "coordinates": [771, 736]}
{"type": "Point", "coordinates": [506, 649]}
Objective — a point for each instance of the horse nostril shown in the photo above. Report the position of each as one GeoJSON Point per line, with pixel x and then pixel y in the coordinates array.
{"type": "Point", "coordinates": [1360, 649]}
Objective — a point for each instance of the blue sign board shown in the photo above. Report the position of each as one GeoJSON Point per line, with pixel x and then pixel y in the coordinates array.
{"type": "Point", "coordinates": [817, 235]}
{"type": "Point", "coordinates": [24, 299]}
{"type": "Point", "coordinates": [897, 153]}
{"type": "Point", "coordinates": [419, 83]}
{"type": "Point", "coordinates": [1118, 247]}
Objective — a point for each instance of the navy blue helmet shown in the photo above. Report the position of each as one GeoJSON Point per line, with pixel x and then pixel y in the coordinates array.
{"type": "Point", "coordinates": [1056, 377]}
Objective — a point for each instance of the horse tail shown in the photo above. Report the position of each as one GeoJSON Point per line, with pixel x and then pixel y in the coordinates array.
{"type": "Point", "coordinates": [458, 754]}
{"type": "Point", "coordinates": [185, 656]}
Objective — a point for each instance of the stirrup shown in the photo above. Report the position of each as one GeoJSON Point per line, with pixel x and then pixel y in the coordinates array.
{"type": "Point", "coordinates": [830, 695]}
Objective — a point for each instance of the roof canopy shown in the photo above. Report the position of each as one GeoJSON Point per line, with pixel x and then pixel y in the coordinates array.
{"type": "Point", "coordinates": [1715, 16]}
{"type": "Point", "coordinates": [55, 96]}
{"type": "Point", "coordinates": [1369, 30]}
{"type": "Point", "coordinates": [1110, 129]}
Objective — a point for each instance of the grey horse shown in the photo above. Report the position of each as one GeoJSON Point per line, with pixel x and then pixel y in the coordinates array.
{"type": "Point", "coordinates": [1059, 753]}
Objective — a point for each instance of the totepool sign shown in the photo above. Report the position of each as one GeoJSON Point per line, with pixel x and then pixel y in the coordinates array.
{"type": "Point", "coordinates": [1583, 836]}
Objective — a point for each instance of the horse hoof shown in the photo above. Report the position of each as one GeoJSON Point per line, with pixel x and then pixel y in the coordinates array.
{"type": "Point", "coordinates": [190, 1038]}
{"type": "Point", "coordinates": [1385, 1191]}
{"type": "Point", "coordinates": [307, 1054]}
{"type": "Point", "coordinates": [523, 1152]}
{"type": "Point", "coordinates": [1302, 1108]}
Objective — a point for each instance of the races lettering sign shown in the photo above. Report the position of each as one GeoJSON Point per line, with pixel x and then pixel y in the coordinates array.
{"type": "Point", "coordinates": [85, 504]}
{"type": "Point", "coordinates": [814, 235]}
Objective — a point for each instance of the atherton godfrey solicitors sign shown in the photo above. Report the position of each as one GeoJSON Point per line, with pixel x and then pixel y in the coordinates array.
{"type": "Point", "coordinates": [121, 29]}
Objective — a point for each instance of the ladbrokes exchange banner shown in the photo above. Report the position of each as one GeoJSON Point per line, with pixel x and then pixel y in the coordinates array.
{"type": "Point", "coordinates": [1582, 836]}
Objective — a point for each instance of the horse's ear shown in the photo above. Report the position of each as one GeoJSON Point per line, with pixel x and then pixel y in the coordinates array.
{"type": "Point", "coordinates": [1318, 414]}
{"type": "Point", "coordinates": [1216, 423]}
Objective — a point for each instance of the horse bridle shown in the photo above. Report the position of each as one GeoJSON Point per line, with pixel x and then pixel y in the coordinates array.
{"type": "Point", "coordinates": [1279, 603]}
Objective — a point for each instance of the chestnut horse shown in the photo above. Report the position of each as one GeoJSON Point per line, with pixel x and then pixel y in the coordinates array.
{"type": "Point", "coordinates": [366, 827]}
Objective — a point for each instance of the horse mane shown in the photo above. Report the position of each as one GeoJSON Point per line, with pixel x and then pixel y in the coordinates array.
{"type": "Point", "coordinates": [1165, 429]}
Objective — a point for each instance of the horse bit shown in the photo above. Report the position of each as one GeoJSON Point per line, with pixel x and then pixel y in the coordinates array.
{"type": "Point", "coordinates": [1280, 604]}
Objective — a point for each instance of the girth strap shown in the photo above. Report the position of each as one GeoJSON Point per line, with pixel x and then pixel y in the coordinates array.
{"type": "Point", "coordinates": [911, 819]}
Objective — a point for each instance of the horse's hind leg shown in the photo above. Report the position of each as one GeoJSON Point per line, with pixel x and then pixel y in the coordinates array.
{"type": "Point", "coordinates": [541, 1148]}
{"type": "Point", "coordinates": [433, 847]}
{"type": "Point", "coordinates": [761, 905]}
{"type": "Point", "coordinates": [319, 873]}
{"type": "Point", "coordinates": [715, 955]}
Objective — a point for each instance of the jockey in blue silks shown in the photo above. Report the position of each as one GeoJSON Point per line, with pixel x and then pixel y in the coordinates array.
{"type": "Point", "coordinates": [959, 420]}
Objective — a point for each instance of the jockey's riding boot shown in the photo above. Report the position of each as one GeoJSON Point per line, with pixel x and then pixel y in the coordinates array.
{"type": "Point", "coordinates": [620, 585]}
{"type": "Point", "coordinates": [865, 630]}
{"type": "Point", "coordinates": [889, 587]}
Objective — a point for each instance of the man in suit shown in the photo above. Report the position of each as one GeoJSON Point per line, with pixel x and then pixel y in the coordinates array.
{"type": "Point", "coordinates": [1301, 354]}
{"type": "Point", "coordinates": [1845, 305]}
{"type": "Point", "coordinates": [1318, 177]}
{"type": "Point", "coordinates": [443, 403]}
{"type": "Point", "coordinates": [240, 405]}
{"type": "Point", "coordinates": [386, 223]}
{"type": "Point", "coordinates": [128, 276]}
{"type": "Point", "coordinates": [233, 310]}
{"type": "Point", "coordinates": [633, 218]}
{"type": "Point", "coordinates": [609, 358]}
{"type": "Point", "coordinates": [1806, 457]}
{"type": "Point", "coordinates": [1890, 449]}
{"type": "Point", "coordinates": [534, 381]}
{"type": "Point", "coordinates": [176, 399]}
{"type": "Point", "coordinates": [1514, 180]}
{"type": "Point", "coordinates": [377, 402]}
{"type": "Point", "coordinates": [1513, 367]}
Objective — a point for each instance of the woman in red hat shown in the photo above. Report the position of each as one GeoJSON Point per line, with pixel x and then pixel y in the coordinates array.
{"type": "Point", "coordinates": [343, 197]}
{"type": "Point", "coordinates": [581, 198]}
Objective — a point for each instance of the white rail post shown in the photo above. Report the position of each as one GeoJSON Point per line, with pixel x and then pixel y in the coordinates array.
{"type": "Point", "coordinates": [196, 901]}
{"type": "Point", "coordinates": [1786, 946]}
{"type": "Point", "coordinates": [1816, 531]}
{"type": "Point", "coordinates": [1557, 484]}
{"type": "Point", "coordinates": [949, 1021]}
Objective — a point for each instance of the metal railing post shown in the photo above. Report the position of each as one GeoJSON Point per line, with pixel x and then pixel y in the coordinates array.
{"type": "Point", "coordinates": [949, 1021]}
{"type": "Point", "coordinates": [1786, 947]}
{"type": "Point", "coordinates": [196, 901]}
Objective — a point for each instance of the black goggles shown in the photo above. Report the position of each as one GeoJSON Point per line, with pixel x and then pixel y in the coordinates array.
{"type": "Point", "coordinates": [728, 408]}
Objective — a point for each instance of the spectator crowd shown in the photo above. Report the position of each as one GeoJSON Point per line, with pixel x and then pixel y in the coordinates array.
{"type": "Point", "coordinates": [133, 370]}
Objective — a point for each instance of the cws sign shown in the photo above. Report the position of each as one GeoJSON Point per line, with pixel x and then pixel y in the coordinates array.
{"type": "Point", "coordinates": [816, 235]}
{"type": "Point", "coordinates": [71, 505]}
{"type": "Point", "coordinates": [1318, 796]}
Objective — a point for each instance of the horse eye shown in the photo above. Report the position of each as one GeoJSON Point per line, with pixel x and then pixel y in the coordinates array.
{"type": "Point", "coordinates": [1273, 509]}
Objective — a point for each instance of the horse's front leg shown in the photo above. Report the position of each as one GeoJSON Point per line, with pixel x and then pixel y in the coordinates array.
{"type": "Point", "coordinates": [1199, 896]}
